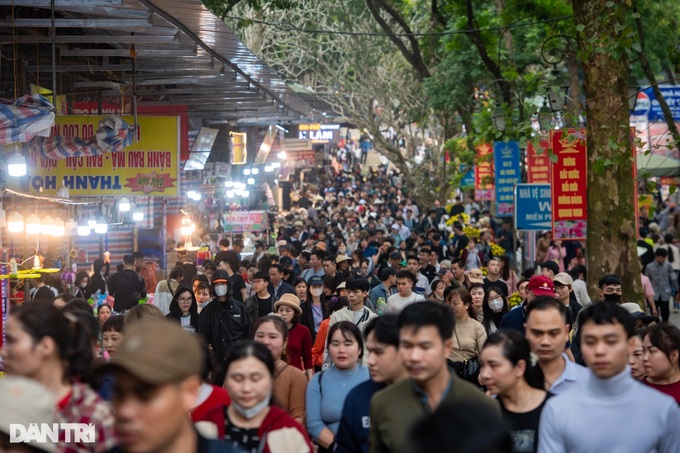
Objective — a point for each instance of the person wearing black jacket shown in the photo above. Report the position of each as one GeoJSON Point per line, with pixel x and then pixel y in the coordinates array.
{"type": "Point", "coordinates": [127, 287]}
{"type": "Point", "coordinates": [100, 278]}
{"type": "Point", "coordinates": [184, 309]}
{"type": "Point", "coordinates": [223, 322]}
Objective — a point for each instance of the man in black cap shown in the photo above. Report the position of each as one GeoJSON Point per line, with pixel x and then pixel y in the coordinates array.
{"type": "Point", "coordinates": [153, 395]}
{"type": "Point", "coordinates": [223, 322]}
{"type": "Point", "coordinates": [286, 264]}
{"type": "Point", "coordinates": [550, 269]}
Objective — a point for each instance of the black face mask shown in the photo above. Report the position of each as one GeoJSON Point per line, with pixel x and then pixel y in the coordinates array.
{"type": "Point", "coordinates": [612, 298]}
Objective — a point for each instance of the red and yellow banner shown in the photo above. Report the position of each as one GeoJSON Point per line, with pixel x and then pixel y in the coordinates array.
{"type": "Point", "coordinates": [147, 167]}
{"type": "Point", "coordinates": [569, 182]}
{"type": "Point", "coordinates": [538, 163]}
{"type": "Point", "coordinates": [484, 187]}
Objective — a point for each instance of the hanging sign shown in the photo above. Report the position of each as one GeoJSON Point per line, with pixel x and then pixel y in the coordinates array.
{"type": "Point", "coordinates": [506, 158]}
{"type": "Point", "coordinates": [570, 178]}
{"type": "Point", "coordinates": [538, 163]}
{"type": "Point", "coordinates": [239, 153]}
{"type": "Point", "coordinates": [147, 167]}
{"type": "Point", "coordinates": [484, 174]}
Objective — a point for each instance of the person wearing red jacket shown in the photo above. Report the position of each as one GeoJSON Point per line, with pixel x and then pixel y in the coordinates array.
{"type": "Point", "coordinates": [252, 422]}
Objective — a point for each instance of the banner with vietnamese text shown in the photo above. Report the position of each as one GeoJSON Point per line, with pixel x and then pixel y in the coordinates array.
{"type": "Point", "coordinates": [570, 179]}
{"type": "Point", "coordinates": [148, 167]}
{"type": "Point", "coordinates": [484, 174]}
{"type": "Point", "coordinates": [538, 163]}
{"type": "Point", "coordinates": [506, 161]}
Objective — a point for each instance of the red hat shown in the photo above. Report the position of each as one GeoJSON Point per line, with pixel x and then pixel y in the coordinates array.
{"type": "Point", "coordinates": [541, 285]}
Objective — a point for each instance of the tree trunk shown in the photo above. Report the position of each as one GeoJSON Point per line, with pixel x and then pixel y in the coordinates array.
{"type": "Point", "coordinates": [611, 243]}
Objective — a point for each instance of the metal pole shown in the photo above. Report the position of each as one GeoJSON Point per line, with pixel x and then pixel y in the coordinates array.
{"type": "Point", "coordinates": [54, 55]}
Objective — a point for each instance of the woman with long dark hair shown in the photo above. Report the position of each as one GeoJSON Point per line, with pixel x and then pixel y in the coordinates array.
{"type": "Point", "coordinates": [494, 308]}
{"type": "Point", "coordinates": [290, 383]}
{"type": "Point", "coordinates": [506, 372]}
{"type": "Point", "coordinates": [80, 286]}
{"type": "Point", "coordinates": [184, 309]}
{"type": "Point", "coordinates": [57, 350]}
{"type": "Point", "coordinates": [100, 278]}
{"type": "Point", "coordinates": [252, 422]}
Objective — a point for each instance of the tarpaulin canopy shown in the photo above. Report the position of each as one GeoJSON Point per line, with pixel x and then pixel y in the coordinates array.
{"type": "Point", "coordinates": [113, 134]}
{"type": "Point", "coordinates": [658, 165]}
{"type": "Point", "coordinates": [30, 116]}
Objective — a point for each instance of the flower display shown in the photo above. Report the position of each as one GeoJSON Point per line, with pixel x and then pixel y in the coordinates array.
{"type": "Point", "coordinates": [497, 250]}
{"type": "Point", "coordinates": [514, 300]}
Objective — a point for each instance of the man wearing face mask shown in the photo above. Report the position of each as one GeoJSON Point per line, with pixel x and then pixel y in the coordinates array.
{"type": "Point", "coordinates": [223, 322]}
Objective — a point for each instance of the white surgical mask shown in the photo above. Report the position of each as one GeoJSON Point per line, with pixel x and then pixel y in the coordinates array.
{"type": "Point", "coordinates": [316, 292]}
{"type": "Point", "coordinates": [496, 304]}
{"type": "Point", "coordinates": [342, 250]}
{"type": "Point", "coordinates": [221, 290]}
{"type": "Point", "coordinates": [83, 285]}
{"type": "Point", "coordinates": [249, 413]}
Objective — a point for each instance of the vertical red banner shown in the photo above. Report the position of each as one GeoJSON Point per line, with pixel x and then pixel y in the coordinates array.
{"type": "Point", "coordinates": [484, 173]}
{"type": "Point", "coordinates": [538, 163]}
{"type": "Point", "coordinates": [569, 182]}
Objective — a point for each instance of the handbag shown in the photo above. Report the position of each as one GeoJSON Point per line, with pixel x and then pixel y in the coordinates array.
{"type": "Point", "coordinates": [468, 369]}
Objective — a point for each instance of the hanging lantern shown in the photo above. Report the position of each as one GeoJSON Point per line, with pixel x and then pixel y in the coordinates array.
{"type": "Point", "coordinates": [33, 224]}
{"type": "Point", "coordinates": [15, 223]}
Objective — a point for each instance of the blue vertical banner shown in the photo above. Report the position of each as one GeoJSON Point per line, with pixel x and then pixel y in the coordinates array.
{"type": "Point", "coordinates": [507, 174]}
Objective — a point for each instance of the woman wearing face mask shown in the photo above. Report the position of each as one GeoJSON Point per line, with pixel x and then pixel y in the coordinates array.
{"type": "Point", "coordinates": [661, 359]}
{"type": "Point", "coordinates": [438, 287]}
{"type": "Point", "coordinates": [79, 289]}
{"type": "Point", "coordinates": [183, 308]}
{"type": "Point", "coordinates": [299, 347]}
{"type": "Point", "coordinates": [495, 307]}
{"type": "Point", "coordinates": [506, 371]}
{"type": "Point", "coordinates": [252, 422]}
{"type": "Point", "coordinates": [342, 248]}
{"type": "Point", "coordinates": [314, 308]}
{"type": "Point", "coordinates": [290, 383]}
{"type": "Point", "coordinates": [477, 292]}
{"type": "Point", "coordinates": [327, 391]}
{"type": "Point", "coordinates": [202, 291]}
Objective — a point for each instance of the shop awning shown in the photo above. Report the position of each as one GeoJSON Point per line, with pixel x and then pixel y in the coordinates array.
{"type": "Point", "coordinates": [657, 165]}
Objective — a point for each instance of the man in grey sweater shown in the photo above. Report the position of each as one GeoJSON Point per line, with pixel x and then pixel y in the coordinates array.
{"type": "Point", "coordinates": [665, 286]}
{"type": "Point", "coordinates": [611, 411]}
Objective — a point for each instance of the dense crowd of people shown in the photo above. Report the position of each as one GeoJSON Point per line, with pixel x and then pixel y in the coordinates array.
{"type": "Point", "coordinates": [372, 324]}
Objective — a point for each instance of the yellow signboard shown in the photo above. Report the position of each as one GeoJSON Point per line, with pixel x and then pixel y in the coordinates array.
{"type": "Point", "coordinates": [148, 167]}
{"type": "Point", "coordinates": [239, 153]}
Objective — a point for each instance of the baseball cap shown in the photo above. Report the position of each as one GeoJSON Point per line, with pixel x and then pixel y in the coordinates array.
{"type": "Point", "coordinates": [220, 276]}
{"type": "Point", "coordinates": [285, 261]}
{"type": "Point", "coordinates": [475, 276]}
{"type": "Point", "coordinates": [290, 300]}
{"type": "Point", "coordinates": [26, 402]}
{"type": "Point", "coordinates": [342, 285]}
{"type": "Point", "coordinates": [552, 266]}
{"type": "Point", "coordinates": [315, 280]}
{"type": "Point", "coordinates": [564, 278]}
{"type": "Point", "coordinates": [637, 313]}
{"type": "Point", "coordinates": [158, 352]}
{"type": "Point", "coordinates": [541, 285]}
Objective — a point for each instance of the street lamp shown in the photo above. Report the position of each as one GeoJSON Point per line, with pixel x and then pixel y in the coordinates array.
{"type": "Point", "coordinates": [498, 118]}
{"type": "Point", "coordinates": [545, 116]}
